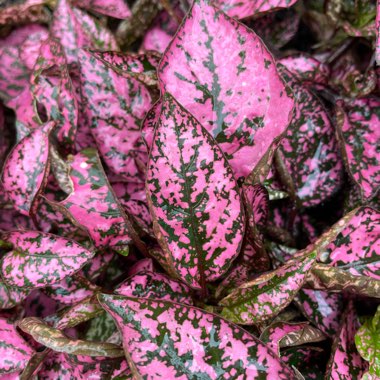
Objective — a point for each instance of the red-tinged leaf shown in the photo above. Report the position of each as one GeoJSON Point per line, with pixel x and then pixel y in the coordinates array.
{"type": "Point", "coordinates": [113, 8]}
{"type": "Point", "coordinates": [307, 69]}
{"type": "Point", "coordinates": [93, 204]}
{"type": "Point", "coordinates": [71, 290]}
{"type": "Point", "coordinates": [58, 341]}
{"type": "Point", "coordinates": [140, 266]}
{"type": "Point", "coordinates": [310, 149]}
{"type": "Point", "coordinates": [76, 29]}
{"type": "Point", "coordinates": [359, 135]}
{"type": "Point", "coordinates": [52, 88]}
{"type": "Point", "coordinates": [321, 308]}
{"type": "Point", "coordinates": [231, 86]}
{"type": "Point", "coordinates": [162, 338]}
{"type": "Point", "coordinates": [345, 361]}
{"type": "Point", "coordinates": [265, 296]}
{"type": "Point", "coordinates": [155, 285]}
{"type": "Point", "coordinates": [247, 8]}
{"type": "Point", "coordinates": [14, 351]}
{"type": "Point", "coordinates": [40, 259]}
{"type": "Point", "coordinates": [115, 106]}
{"type": "Point", "coordinates": [25, 170]}
{"type": "Point", "coordinates": [356, 248]}
{"type": "Point", "coordinates": [140, 66]}
{"type": "Point", "coordinates": [258, 204]}
{"type": "Point", "coordinates": [193, 197]}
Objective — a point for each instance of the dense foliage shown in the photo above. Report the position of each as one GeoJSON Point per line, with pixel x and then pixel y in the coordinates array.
{"type": "Point", "coordinates": [189, 191]}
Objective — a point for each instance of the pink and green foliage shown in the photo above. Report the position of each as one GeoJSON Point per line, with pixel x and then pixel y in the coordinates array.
{"type": "Point", "coordinates": [193, 196]}
{"type": "Point", "coordinates": [38, 259]}
{"type": "Point", "coordinates": [151, 331]}
{"type": "Point", "coordinates": [14, 351]}
{"type": "Point", "coordinates": [189, 190]}
{"type": "Point", "coordinates": [359, 133]}
{"type": "Point", "coordinates": [211, 77]}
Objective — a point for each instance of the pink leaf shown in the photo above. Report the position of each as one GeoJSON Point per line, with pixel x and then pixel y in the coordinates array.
{"type": "Point", "coordinates": [113, 8]}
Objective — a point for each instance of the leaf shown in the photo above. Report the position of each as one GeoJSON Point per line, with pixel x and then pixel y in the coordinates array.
{"type": "Point", "coordinates": [58, 341]}
{"type": "Point", "coordinates": [193, 197]}
{"type": "Point", "coordinates": [246, 8]}
{"type": "Point", "coordinates": [39, 259]}
{"type": "Point", "coordinates": [162, 338]}
{"type": "Point", "coordinates": [310, 147]}
{"type": "Point", "coordinates": [257, 204]}
{"type": "Point", "coordinates": [358, 132]}
{"type": "Point", "coordinates": [115, 106]}
{"type": "Point", "coordinates": [377, 53]}
{"type": "Point", "coordinates": [367, 342]}
{"type": "Point", "coordinates": [231, 87]}
{"type": "Point", "coordinates": [100, 214]}
{"type": "Point", "coordinates": [14, 351]}
{"type": "Point", "coordinates": [157, 39]}
{"type": "Point", "coordinates": [24, 12]}
{"type": "Point", "coordinates": [321, 308]}
{"type": "Point", "coordinates": [10, 297]}
{"type": "Point", "coordinates": [25, 170]}
{"type": "Point", "coordinates": [148, 284]}
{"type": "Point", "coordinates": [112, 8]}
{"type": "Point", "coordinates": [265, 296]}
{"type": "Point", "coordinates": [76, 29]}
{"type": "Point", "coordinates": [356, 248]}
{"type": "Point", "coordinates": [345, 362]}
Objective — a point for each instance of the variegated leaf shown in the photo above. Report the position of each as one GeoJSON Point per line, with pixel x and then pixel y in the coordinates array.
{"type": "Point", "coordinates": [230, 85]}
{"type": "Point", "coordinates": [26, 168]}
{"type": "Point", "coordinates": [359, 134]}
{"type": "Point", "coordinates": [14, 351]}
{"type": "Point", "coordinates": [113, 8]}
{"type": "Point", "coordinates": [367, 341]}
{"type": "Point", "coordinates": [10, 296]}
{"type": "Point", "coordinates": [193, 197]}
{"type": "Point", "coordinates": [345, 361]}
{"type": "Point", "coordinates": [265, 296]}
{"type": "Point", "coordinates": [58, 341]}
{"type": "Point", "coordinates": [115, 106]}
{"type": "Point", "coordinates": [39, 259]}
{"type": "Point", "coordinates": [147, 284]}
{"type": "Point", "coordinates": [162, 338]}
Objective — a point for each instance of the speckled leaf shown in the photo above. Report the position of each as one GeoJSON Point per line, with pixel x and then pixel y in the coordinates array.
{"type": "Point", "coordinates": [268, 294]}
{"type": "Point", "coordinates": [14, 351]}
{"type": "Point", "coordinates": [149, 124]}
{"type": "Point", "coordinates": [323, 309]}
{"type": "Point", "coordinates": [157, 39]}
{"type": "Point", "coordinates": [359, 134]}
{"type": "Point", "coordinates": [247, 8]}
{"type": "Point", "coordinates": [230, 84]}
{"type": "Point", "coordinates": [115, 107]}
{"type": "Point", "coordinates": [377, 25]}
{"type": "Point", "coordinates": [93, 205]}
{"type": "Point", "coordinates": [23, 12]}
{"type": "Point", "coordinates": [141, 265]}
{"type": "Point", "coordinates": [58, 341]}
{"type": "Point", "coordinates": [310, 149]}
{"type": "Point", "coordinates": [52, 88]}
{"type": "Point", "coordinates": [76, 29]}
{"type": "Point", "coordinates": [356, 248]}
{"type": "Point", "coordinates": [113, 8]}
{"type": "Point", "coordinates": [147, 284]}
{"type": "Point", "coordinates": [25, 170]}
{"type": "Point", "coordinates": [39, 259]}
{"type": "Point", "coordinates": [193, 197]}
{"type": "Point", "coordinates": [345, 362]}
{"type": "Point", "coordinates": [367, 341]}
{"type": "Point", "coordinates": [10, 297]}
{"type": "Point", "coordinates": [257, 204]}
{"type": "Point", "coordinates": [162, 338]}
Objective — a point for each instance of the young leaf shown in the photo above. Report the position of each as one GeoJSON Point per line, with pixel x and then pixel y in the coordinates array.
{"type": "Point", "coordinates": [112, 8]}
{"type": "Point", "coordinates": [358, 131]}
{"type": "Point", "coordinates": [345, 362]}
{"type": "Point", "coordinates": [14, 351]}
{"type": "Point", "coordinates": [39, 259]}
{"type": "Point", "coordinates": [264, 297]}
{"type": "Point", "coordinates": [162, 338]}
{"type": "Point", "coordinates": [26, 168]}
{"type": "Point", "coordinates": [58, 341]}
{"type": "Point", "coordinates": [193, 198]}
{"type": "Point", "coordinates": [367, 343]}
{"type": "Point", "coordinates": [147, 284]}
{"type": "Point", "coordinates": [231, 86]}
{"type": "Point", "coordinates": [247, 8]}
{"type": "Point", "coordinates": [115, 106]}
{"type": "Point", "coordinates": [356, 248]}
